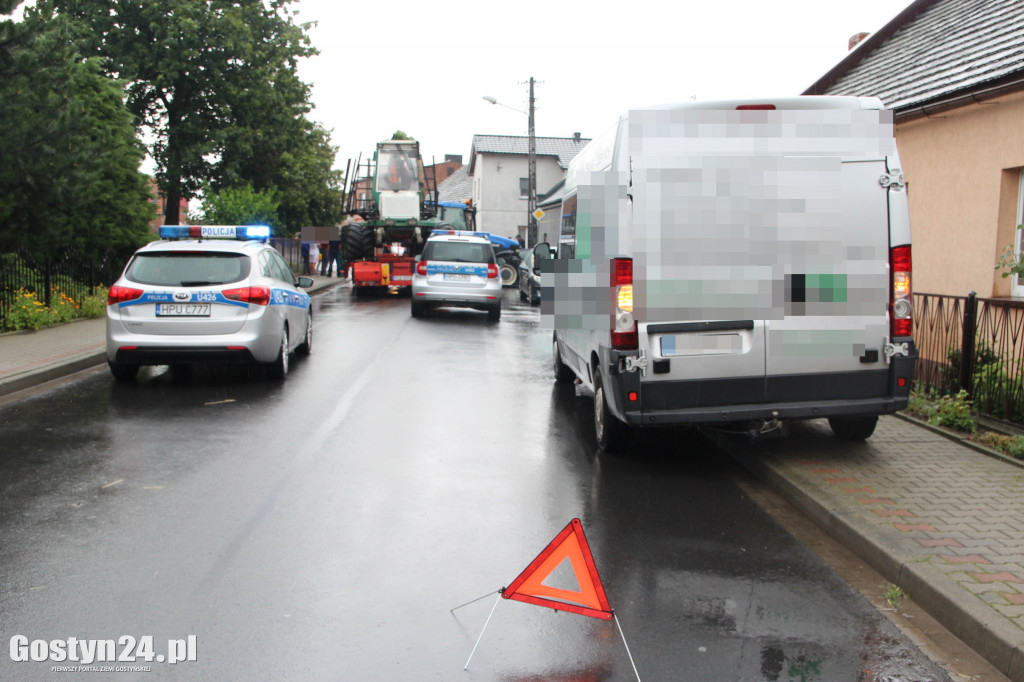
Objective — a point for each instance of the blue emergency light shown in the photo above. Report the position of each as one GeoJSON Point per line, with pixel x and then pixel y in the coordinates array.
{"type": "Point", "coordinates": [214, 232]}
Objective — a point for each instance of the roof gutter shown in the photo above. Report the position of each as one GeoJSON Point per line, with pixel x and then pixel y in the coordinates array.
{"type": "Point", "coordinates": [902, 115]}
{"type": "Point", "coordinates": [866, 46]}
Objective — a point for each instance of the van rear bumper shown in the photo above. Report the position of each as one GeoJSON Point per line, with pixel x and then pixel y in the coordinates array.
{"type": "Point", "coordinates": [802, 396]}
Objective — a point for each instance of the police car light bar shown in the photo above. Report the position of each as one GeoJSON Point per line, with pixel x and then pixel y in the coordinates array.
{"type": "Point", "coordinates": [214, 232]}
{"type": "Point", "coordinates": [459, 233]}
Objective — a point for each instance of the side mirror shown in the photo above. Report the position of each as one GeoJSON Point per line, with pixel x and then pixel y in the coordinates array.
{"type": "Point", "coordinates": [305, 282]}
{"type": "Point", "coordinates": [542, 251]}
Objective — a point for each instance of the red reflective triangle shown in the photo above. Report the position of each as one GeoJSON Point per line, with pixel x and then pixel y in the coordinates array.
{"type": "Point", "coordinates": [569, 544]}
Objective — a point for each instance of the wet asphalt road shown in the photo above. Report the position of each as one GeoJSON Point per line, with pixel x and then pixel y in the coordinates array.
{"type": "Point", "coordinates": [323, 528]}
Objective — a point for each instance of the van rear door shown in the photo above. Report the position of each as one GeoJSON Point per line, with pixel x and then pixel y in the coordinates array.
{"type": "Point", "coordinates": [836, 292]}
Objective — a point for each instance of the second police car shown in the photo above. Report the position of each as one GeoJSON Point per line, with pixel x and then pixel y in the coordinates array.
{"type": "Point", "coordinates": [207, 293]}
{"type": "Point", "coordinates": [457, 269]}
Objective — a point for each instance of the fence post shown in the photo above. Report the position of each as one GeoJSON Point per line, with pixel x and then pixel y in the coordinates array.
{"type": "Point", "coordinates": [970, 327]}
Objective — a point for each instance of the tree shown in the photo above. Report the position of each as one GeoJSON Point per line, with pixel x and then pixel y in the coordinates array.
{"type": "Point", "coordinates": [240, 206]}
{"type": "Point", "coordinates": [401, 135]}
{"type": "Point", "coordinates": [192, 67]}
{"type": "Point", "coordinates": [70, 173]}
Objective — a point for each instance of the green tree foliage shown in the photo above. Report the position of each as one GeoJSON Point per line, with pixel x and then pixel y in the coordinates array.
{"type": "Point", "coordinates": [240, 206]}
{"type": "Point", "coordinates": [208, 78]}
{"type": "Point", "coordinates": [402, 135]}
{"type": "Point", "coordinates": [70, 156]}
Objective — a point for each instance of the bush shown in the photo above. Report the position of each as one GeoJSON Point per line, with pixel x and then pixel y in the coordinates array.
{"type": "Point", "coordinates": [954, 412]}
{"type": "Point", "coordinates": [94, 305]}
{"type": "Point", "coordinates": [28, 312]}
{"type": "Point", "coordinates": [63, 307]}
{"type": "Point", "coordinates": [1016, 447]}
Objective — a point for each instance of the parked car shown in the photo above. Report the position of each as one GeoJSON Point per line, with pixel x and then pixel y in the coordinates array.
{"type": "Point", "coordinates": [207, 294]}
{"type": "Point", "coordinates": [457, 269]}
{"type": "Point", "coordinates": [529, 277]}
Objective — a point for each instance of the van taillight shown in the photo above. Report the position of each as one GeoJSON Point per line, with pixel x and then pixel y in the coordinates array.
{"type": "Point", "coordinates": [421, 267]}
{"type": "Point", "coordinates": [756, 107]}
{"type": "Point", "coordinates": [623, 325]}
{"type": "Point", "coordinates": [122, 294]}
{"type": "Point", "coordinates": [492, 271]}
{"type": "Point", "coordinates": [257, 295]}
{"type": "Point", "coordinates": [901, 302]}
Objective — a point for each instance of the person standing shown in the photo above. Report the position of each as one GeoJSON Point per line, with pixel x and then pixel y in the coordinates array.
{"type": "Point", "coordinates": [314, 257]}
{"type": "Point", "coordinates": [334, 258]}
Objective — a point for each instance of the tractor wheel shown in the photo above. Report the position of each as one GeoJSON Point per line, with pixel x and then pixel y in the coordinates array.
{"type": "Point", "coordinates": [356, 242]}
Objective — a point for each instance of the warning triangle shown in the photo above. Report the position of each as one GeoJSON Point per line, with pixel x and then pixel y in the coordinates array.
{"type": "Point", "coordinates": [533, 585]}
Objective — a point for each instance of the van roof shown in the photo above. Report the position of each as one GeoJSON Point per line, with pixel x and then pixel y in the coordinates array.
{"type": "Point", "coordinates": [799, 102]}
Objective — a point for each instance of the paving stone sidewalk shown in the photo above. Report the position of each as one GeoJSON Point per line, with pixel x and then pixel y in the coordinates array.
{"type": "Point", "coordinates": [937, 518]}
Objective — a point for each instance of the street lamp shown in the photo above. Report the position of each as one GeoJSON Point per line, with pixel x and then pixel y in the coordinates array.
{"type": "Point", "coordinates": [531, 232]}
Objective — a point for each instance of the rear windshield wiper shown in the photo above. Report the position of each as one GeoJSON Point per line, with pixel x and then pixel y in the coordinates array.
{"type": "Point", "coordinates": [200, 283]}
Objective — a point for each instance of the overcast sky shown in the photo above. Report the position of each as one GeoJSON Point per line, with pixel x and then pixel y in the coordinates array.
{"type": "Point", "coordinates": [424, 67]}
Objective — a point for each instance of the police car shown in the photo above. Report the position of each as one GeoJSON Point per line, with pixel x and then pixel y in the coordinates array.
{"type": "Point", "coordinates": [457, 269]}
{"type": "Point", "coordinates": [207, 293]}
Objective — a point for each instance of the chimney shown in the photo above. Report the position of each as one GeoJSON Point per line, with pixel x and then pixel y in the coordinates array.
{"type": "Point", "coordinates": [856, 38]}
{"type": "Point", "coordinates": [576, 137]}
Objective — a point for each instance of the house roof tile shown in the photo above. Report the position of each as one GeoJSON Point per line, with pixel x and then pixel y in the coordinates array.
{"type": "Point", "coordinates": [934, 50]}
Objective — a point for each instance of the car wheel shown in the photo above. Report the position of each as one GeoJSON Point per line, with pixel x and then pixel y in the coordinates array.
{"type": "Point", "coordinates": [563, 375]}
{"type": "Point", "coordinates": [417, 309]}
{"type": "Point", "coordinates": [853, 428]}
{"type": "Point", "coordinates": [307, 342]}
{"type": "Point", "coordinates": [508, 273]}
{"type": "Point", "coordinates": [278, 369]}
{"type": "Point", "coordinates": [123, 373]}
{"type": "Point", "coordinates": [522, 294]}
{"type": "Point", "coordinates": [494, 313]}
{"type": "Point", "coordinates": [612, 435]}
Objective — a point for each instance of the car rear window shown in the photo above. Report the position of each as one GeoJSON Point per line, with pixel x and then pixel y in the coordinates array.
{"type": "Point", "coordinates": [458, 252]}
{"type": "Point", "coordinates": [188, 268]}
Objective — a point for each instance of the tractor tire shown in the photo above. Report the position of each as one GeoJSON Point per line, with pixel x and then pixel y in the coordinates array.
{"type": "Point", "coordinates": [356, 242]}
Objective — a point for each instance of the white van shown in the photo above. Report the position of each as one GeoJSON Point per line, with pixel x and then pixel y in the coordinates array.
{"type": "Point", "coordinates": [736, 262]}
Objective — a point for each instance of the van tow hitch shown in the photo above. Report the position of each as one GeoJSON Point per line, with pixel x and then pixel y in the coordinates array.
{"type": "Point", "coordinates": [768, 427]}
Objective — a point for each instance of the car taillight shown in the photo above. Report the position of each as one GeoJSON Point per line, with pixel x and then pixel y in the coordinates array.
{"type": "Point", "coordinates": [901, 302]}
{"type": "Point", "coordinates": [256, 295]}
{"type": "Point", "coordinates": [624, 336]}
{"type": "Point", "coordinates": [122, 294]}
{"type": "Point", "coordinates": [421, 267]}
{"type": "Point", "coordinates": [492, 271]}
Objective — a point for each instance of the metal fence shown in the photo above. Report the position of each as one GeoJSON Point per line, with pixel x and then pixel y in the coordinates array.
{"type": "Point", "coordinates": [68, 271]}
{"type": "Point", "coordinates": [974, 344]}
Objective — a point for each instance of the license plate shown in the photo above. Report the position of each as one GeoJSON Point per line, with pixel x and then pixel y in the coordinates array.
{"type": "Point", "coordinates": [455, 277]}
{"type": "Point", "coordinates": [182, 309]}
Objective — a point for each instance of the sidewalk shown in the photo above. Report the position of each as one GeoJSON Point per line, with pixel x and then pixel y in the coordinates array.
{"type": "Point", "coordinates": [29, 358]}
{"type": "Point", "coordinates": [931, 515]}
{"type": "Point", "coordinates": [941, 520]}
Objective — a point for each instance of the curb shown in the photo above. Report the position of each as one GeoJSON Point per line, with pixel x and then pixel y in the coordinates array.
{"type": "Point", "coordinates": [991, 637]}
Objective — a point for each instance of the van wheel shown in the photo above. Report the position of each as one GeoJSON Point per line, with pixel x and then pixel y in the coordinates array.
{"type": "Point", "coordinates": [417, 309]}
{"type": "Point", "coordinates": [612, 435]}
{"type": "Point", "coordinates": [494, 314]}
{"type": "Point", "coordinates": [852, 428]}
{"type": "Point", "coordinates": [563, 375]}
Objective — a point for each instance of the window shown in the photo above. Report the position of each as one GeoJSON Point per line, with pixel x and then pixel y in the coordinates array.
{"type": "Point", "coordinates": [188, 268]}
{"type": "Point", "coordinates": [524, 187]}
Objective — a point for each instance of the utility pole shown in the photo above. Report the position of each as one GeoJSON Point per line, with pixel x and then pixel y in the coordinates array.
{"type": "Point", "coordinates": [531, 233]}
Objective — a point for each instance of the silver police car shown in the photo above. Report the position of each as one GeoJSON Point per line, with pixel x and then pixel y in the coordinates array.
{"type": "Point", "coordinates": [457, 269]}
{"type": "Point", "coordinates": [207, 294]}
